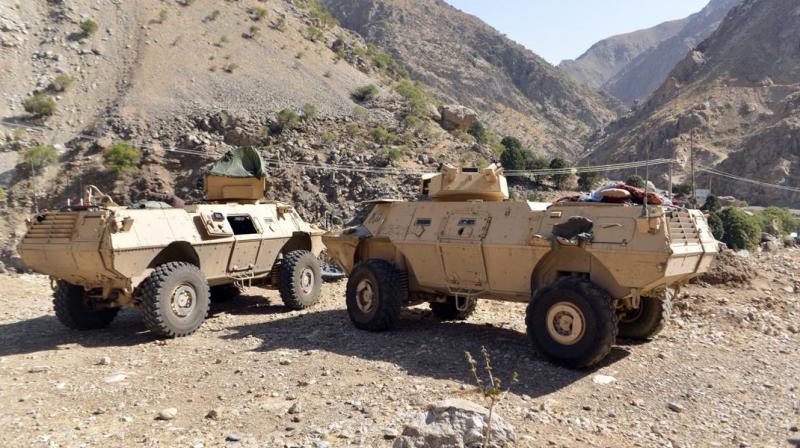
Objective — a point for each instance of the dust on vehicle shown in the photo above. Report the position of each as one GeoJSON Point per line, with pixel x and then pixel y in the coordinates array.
{"type": "Point", "coordinates": [589, 271]}
{"type": "Point", "coordinates": [168, 262]}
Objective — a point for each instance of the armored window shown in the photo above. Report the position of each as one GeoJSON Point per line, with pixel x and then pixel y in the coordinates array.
{"type": "Point", "coordinates": [242, 225]}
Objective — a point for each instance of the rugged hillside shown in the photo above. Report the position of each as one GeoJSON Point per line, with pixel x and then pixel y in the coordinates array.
{"type": "Point", "coordinates": [204, 77]}
{"type": "Point", "coordinates": [631, 66]}
{"type": "Point", "coordinates": [467, 61]}
{"type": "Point", "coordinates": [607, 58]}
{"type": "Point", "coordinates": [739, 92]}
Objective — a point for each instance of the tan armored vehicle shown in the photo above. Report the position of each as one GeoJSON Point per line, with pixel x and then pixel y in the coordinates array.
{"type": "Point", "coordinates": [589, 271]}
{"type": "Point", "coordinates": [170, 262]}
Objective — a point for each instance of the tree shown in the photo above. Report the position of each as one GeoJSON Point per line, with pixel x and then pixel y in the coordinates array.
{"type": "Point", "coordinates": [122, 157]}
{"type": "Point", "coordinates": [39, 157]}
{"type": "Point", "coordinates": [712, 204]}
{"type": "Point", "coordinates": [636, 181]}
{"type": "Point", "coordinates": [587, 181]}
{"type": "Point", "coordinates": [716, 226]}
{"type": "Point", "coordinates": [514, 159]}
{"type": "Point", "coordinates": [559, 180]}
{"type": "Point", "coordinates": [510, 142]}
{"type": "Point", "coordinates": [478, 131]}
{"type": "Point", "coordinates": [740, 230]}
{"type": "Point", "coordinates": [682, 190]}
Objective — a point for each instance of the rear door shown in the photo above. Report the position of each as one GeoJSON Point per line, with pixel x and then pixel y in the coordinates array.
{"type": "Point", "coordinates": [247, 234]}
{"type": "Point", "coordinates": [461, 239]}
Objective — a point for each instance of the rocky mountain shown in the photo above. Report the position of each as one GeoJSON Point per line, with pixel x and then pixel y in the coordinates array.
{"type": "Point", "coordinates": [739, 93]}
{"type": "Point", "coordinates": [631, 66]}
{"type": "Point", "coordinates": [464, 60]}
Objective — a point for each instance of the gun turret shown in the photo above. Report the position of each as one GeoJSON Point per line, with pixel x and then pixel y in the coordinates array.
{"type": "Point", "coordinates": [466, 184]}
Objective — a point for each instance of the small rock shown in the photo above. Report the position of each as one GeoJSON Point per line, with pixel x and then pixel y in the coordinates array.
{"type": "Point", "coordinates": [116, 378]}
{"type": "Point", "coordinates": [295, 408]}
{"type": "Point", "coordinates": [39, 369]}
{"type": "Point", "coordinates": [285, 362]}
{"type": "Point", "coordinates": [675, 407]}
{"type": "Point", "coordinates": [167, 414]}
{"type": "Point", "coordinates": [214, 414]}
{"type": "Point", "coordinates": [233, 437]}
{"type": "Point", "coordinates": [603, 379]}
{"type": "Point", "coordinates": [104, 361]}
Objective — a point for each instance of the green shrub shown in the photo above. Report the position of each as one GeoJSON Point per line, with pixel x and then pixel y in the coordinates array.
{"type": "Point", "coordinates": [712, 204]}
{"type": "Point", "coordinates": [325, 18]}
{"type": "Point", "coordinates": [287, 120]}
{"type": "Point", "coordinates": [510, 142]}
{"type": "Point", "coordinates": [560, 180]}
{"type": "Point", "coordinates": [327, 137]}
{"type": "Point", "coordinates": [359, 113]}
{"type": "Point", "coordinates": [89, 27]}
{"type": "Point", "coordinates": [478, 131]}
{"type": "Point", "coordinates": [309, 111]}
{"type": "Point", "coordinates": [776, 219]}
{"type": "Point", "coordinates": [682, 190]}
{"type": "Point", "coordinates": [393, 153]}
{"type": "Point", "coordinates": [257, 13]}
{"type": "Point", "coordinates": [417, 98]}
{"type": "Point", "coordinates": [61, 83]}
{"type": "Point", "coordinates": [635, 181]}
{"type": "Point", "coordinates": [740, 230]}
{"type": "Point", "coordinates": [587, 181]}
{"type": "Point", "coordinates": [3, 196]}
{"type": "Point", "coordinates": [278, 24]}
{"type": "Point", "coordinates": [352, 129]}
{"type": "Point", "coordinates": [314, 33]}
{"type": "Point", "coordinates": [383, 136]}
{"type": "Point", "coordinates": [463, 136]}
{"type": "Point", "coordinates": [213, 16]}
{"type": "Point", "coordinates": [716, 226]}
{"type": "Point", "coordinates": [254, 30]}
{"type": "Point", "coordinates": [365, 93]}
{"type": "Point", "coordinates": [40, 105]}
{"type": "Point", "coordinates": [39, 157]}
{"type": "Point", "coordinates": [162, 15]}
{"type": "Point", "coordinates": [122, 157]}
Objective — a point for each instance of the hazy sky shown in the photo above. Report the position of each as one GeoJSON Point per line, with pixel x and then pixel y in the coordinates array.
{"type": "Point", "coordinates": [564, 29]}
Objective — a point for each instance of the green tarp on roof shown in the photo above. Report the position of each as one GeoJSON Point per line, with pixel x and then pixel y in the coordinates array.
{"type": "Point", "coordinates": [239, 162]}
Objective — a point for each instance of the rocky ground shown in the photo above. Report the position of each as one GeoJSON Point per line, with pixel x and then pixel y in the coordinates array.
{"type": "Point", "coordinates": [722, 374]}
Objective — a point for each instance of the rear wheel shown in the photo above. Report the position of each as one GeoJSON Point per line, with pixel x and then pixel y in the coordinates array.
{"type": "Point", "coordinates": [174, 299]}
{"type": "Point", "coordinates": [648, 320]}
{"type": "Point", "coordinates": [74, 310]}
{"type": "Point", "coordinates": [374, 295]}
{"type": "Point", "coordinates": [454, 308]}
{"type": "Point", "coordinates": [572, 322]}
{"type": "Point", "coordinates": [300, 280]}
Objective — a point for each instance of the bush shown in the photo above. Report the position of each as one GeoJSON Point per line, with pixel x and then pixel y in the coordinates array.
{"type": "Point", "coordinates": [776, 219]}
{"type": "Point", "coordinates": [352, 129]}
{"type": "Point", "coordinates": [313, 33]}
{"type": "Point", "coordinates": [417, 98]}
{"type": "Point", "coordinates": [740, 231]}
{"type": "Point", "coordinates": [716, 226]}
{"type": "Point", "coordinates": [257, 13]}
{"type": "Point", "coordinates": [682, 190]}
{"type": "Point", "coordinates": [327, 137]}
{"type": "Point", "coordinates": [89, 27]}
{"type": "Point", "coordinates": [510, 142]}
{"type": "Point", "coordinates": [383, 136]}
{"type": "Point", "coordinates": [40, 105]}
{"type": "Point", "coordinates": [325, 18]}
{"type": "Point", "coordinates": [712, 204]}
{"type": "Point", "coordinates": [254, 30]}
{"type": "Point", "coordinates": [560, 180]}
{"type": "Point", "coordinates": [587, 181]}
{"type": "Point", "coordinates": [514, 159]}
{"type": "Point", "coordinates": [122, 157]}
{"type": "Point", "coordinates": [309, 111]}
{"type": "Point", "coordinates": [3, 196]}
{"type": "Point", "coordinates": [365, 93]}
{"type": "Point", "coordinates": [287, 120]}
{"type": "Point", "coordinates": [636, 181]}
{"type": "Point", "coordinates": [478, 131]}
{"type": "Point", "coordinates": [61, 83]}
{"type": "Point", "coordinates": [213, 16]}
{"type": "Point", "coordinates": [39, 157]}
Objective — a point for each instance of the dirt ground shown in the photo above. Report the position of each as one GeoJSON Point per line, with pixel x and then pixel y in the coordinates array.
{"type": "Point", "coordinates": [724, 373]}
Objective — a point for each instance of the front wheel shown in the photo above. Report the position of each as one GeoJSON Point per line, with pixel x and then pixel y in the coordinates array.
{"type": "Point", "coordinates": [374, 295]}
{"type": "Point", "coordinates": [300, 280]}
{"type": "Point", "coordinates": [174, 299]}
{"type": "Point", "coordinates": [74, 310]}
{"type": "Point", "coordinates": [572, 322]}
{"type": "Point", "coordinates": [648, 320]}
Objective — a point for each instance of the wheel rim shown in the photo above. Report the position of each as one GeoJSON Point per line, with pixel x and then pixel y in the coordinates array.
{"type": "Point", "coordinates": [307, 280]}
{"type": "Point", "coordinates": [565, 323]}
{"type": "Point", "coordinates": [366, 299]}
{"type": "Point", "coordinates": [183, 300]}
{"type": "Point", "coordinates": [633, 315]}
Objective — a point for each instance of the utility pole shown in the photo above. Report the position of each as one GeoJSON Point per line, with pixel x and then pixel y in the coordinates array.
{"type": "Point", "coordinates": [669, 166]}
{"type": "Point", "coordinates": [691, 157]}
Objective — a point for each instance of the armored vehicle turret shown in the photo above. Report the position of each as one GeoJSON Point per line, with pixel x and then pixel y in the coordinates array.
{"type": "Point", "coordinates": [589, 271]}
{"type": "Point", "coordinates": [169, 262]}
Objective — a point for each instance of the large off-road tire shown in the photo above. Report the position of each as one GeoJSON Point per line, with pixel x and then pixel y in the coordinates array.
{"type": "Point", "coordinates": [572, 322]}
{"type": "Point", "coordinates": [648, 320]}
{"type": "Point", "coordinates": [174, 299]}
{"type": "Point", "coordinates": [223, 293]}
{"type": "Point", "coordinates": [74, 312]}
{"type": "Point", "coordinates": [448, 310]}
{"type": "Point", "coordinates": [300, 280]}
{"type": "Point", "coordinates": [374, 295]}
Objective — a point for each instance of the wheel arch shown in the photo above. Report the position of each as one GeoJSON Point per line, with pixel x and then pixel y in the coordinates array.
{"type": "Point", "coordinates": [303, 241]}
{"type": "Point", "coordinates": [570, 261]}
{"type": "Point", "coordinates": [176, 251]}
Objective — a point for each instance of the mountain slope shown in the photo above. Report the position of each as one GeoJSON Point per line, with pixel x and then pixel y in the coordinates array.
{"type": "Point", "coordinates": [631, 66]}
{"type": "Point", "coordinates": [464, 59]}
{"type": "Point", "coordinates": [607, 58]}
{"type": "Point", "coordinates": [739, 92]}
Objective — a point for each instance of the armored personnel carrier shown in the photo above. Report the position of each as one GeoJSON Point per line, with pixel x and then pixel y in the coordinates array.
{"type": "Point", "coordinates": [170, 262]}
{"type": "Point", "coordinates": [589, 271]}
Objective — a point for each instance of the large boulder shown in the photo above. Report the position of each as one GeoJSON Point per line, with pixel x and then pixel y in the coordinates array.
{"type": "Point", "coordinates": [456, 423]}
{"type": "Point", "coordinates": [457, 117]}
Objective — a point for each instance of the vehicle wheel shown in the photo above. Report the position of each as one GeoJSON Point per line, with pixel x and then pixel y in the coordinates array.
{"type": "Point", "coordinates": [648, 320]}
{"type": "Point", "coordinates": [223, 293]}
{"type": "Point", "coordinates": [174, 299]}
{"type": "Point", "coordinates": [572, 322]}
{"type": "Point", "coordinates": [300, 281]}
{"type": "Point", "coordinates": [74, 312]}
{"type": "Point", "coordinates": [448, 310]}
{"type": "Point", "coordinates": [374, 295]}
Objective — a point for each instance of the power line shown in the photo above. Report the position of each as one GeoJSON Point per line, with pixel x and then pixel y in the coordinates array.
{"type": "Point", "coordinates": [746, 180]}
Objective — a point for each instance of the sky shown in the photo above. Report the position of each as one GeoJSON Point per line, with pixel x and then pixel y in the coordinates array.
{"type": "Point", "coordinates": [564, 29]}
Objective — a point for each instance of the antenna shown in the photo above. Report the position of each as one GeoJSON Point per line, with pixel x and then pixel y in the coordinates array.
{"type": "Point", "coordinates": [646, 180]}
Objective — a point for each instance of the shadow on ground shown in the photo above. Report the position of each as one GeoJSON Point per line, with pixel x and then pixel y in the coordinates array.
{"type": "Point", "coordinates": [422, 346]}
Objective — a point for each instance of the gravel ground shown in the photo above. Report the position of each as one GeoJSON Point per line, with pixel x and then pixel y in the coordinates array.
{"type": "Point", "coordinates": [724, 373]}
